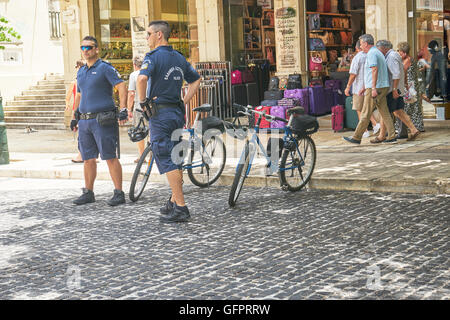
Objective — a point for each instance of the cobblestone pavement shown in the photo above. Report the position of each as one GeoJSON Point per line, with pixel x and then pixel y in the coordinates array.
{"type": "Point", "coordinates": [273, 245]}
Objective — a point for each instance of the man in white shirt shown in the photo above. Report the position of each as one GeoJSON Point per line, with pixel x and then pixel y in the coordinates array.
{"type": "Point", "coordinates": [357, 81]}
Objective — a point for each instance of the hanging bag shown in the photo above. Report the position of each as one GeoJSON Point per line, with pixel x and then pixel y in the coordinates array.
{"type": "Point", "coordinates": [315, 64]}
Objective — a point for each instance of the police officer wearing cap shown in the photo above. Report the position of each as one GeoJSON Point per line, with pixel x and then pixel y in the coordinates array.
{"type": "Point", "coordinates": [162, 74]}
{"type": "Point", "coordinates": [97, 120]}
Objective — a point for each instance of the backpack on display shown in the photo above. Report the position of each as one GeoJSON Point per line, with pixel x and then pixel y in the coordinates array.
{"type": "Point", "coordinates": [294, 82]}
{"type": "Point", "coordinates": [274, 84]}
{"type": "Point", "coordinates": [314, 22]}
{"type": "Point", "coordinates": [315, 64]}
{"type": "Point", "coordinates": [316, 44]}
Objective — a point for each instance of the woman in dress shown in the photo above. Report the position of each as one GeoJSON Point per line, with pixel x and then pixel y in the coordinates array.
{"type": "Point", "coordinates": [414, 110]}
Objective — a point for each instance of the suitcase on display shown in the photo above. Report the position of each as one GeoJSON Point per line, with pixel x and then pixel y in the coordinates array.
{"type": "Point", "coordinates": [317, 104]}
{"type": "Point", "coordinates": [351, 117]}
{"type": "Point", "coordinates": [269, 103]}
{"type": "Point", "coordinates": [273, 95]}
{"type": "Point", "coordinates": [252, 92]}
{"type": "Point", "coordinates": [301, 94]}
{"type": "Point", "coordinates": [280, 112]}
{"type": "Point", "coordinates": [240, 94]}
{"type": "Point", "coordinates": [338, 97]}
{"type": "Point", "coordinates": [337, 118]}
{"type": "Point", "coordinates": [264, 123]}
{"type": "Point", "coordinates": [329, 99]}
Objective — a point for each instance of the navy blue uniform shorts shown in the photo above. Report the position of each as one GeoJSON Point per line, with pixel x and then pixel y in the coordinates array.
{"type": "Point", "coordinates": [94, 139]}
{"type": "Point", "coordinates": [162, 126]}
{"type": "Point", "coordinates": [394, 104]}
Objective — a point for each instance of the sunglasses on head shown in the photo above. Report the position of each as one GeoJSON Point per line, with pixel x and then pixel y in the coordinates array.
{"type": "Point", "coordinates": [86, 48]}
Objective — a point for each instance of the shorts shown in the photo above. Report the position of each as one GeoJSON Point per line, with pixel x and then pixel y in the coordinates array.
{"type": "Point", "coordinates": [93, 139]}
{"type": "Point", "coordinates": [395, 104]}
{"type": "Point", "coordinates": [162, 126]}
{"type": "Point", "coordinates": [358, 102]}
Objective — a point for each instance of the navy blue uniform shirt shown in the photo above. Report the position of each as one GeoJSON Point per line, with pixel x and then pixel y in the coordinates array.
{"type": "Point", "coordinates": [166, 69]}
{"type": "Point", "coordinates": [96, 86]}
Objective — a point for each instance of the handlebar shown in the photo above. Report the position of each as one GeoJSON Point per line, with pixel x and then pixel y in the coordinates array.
{"type": "Point", "coordinates": [245, 111]}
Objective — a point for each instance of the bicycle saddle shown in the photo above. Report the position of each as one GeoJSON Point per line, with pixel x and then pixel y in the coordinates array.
{"type": "Point", "coordinates": [203, 108]}
{"type": "Point", "coordinates": [296, 110]}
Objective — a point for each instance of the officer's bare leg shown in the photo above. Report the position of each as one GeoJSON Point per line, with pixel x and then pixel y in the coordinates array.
{"type": "Point", "coordinates": [141, 146]}
{"type": "Point", "coordinates": [115, 171]}
{"type": "Point", "coordinates": [175, 178]}
{"type": "Point", "coordinates": [90, 173]}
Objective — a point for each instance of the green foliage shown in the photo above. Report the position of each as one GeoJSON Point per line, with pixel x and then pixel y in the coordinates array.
{"type": "Point", "coordinates": [7, 33]}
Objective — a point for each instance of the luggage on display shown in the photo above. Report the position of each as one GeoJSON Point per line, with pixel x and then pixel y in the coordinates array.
{"type": "Point", "coordinates": [317, 101]}
{"type": "Point", "coordinates": [289, 102]}
{"type": "Point", "coordinates": [252, 94]}
{"type": "Point", "coordinates": [333, 84]}
{"type": "Point", "coordinates": [240, 94]}
{"type": "Point", "coordinates": [273, 95]}
{"type": "Point", "coordinates": [338, 97]}
{"type": "Point", "coordinates": [351, 117]}
{"type": "Point", "coordinates": [269, 103]}
{"type": "Point", "coordinates": [236, 77]}
{"type": "Point", "coordinates": [264, 123]}
{"type": "Point", "coordinates": [274, 84]}
{"type": "Point", "coordinates": [278, 111]}
{"type": "Point", "coordinates": [329, 99]}
{"type": "Point", "coordinates": [337, 118]}
{"type": "Point", "coordinates": [294, 82]}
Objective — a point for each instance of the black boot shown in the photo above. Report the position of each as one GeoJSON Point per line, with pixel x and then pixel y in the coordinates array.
{"type": "Point", "coordinates": [118, 198]}
{"type": "Point", "coordinates": [178, 214]}
{"type": "Point", "coordinates": [86, 197]}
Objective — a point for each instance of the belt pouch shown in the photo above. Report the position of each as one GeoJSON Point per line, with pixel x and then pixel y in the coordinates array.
{"type": "Point", "coordinates": [107, 118]}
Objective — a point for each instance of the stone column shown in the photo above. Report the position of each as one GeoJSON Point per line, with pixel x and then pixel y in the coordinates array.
{"type": "Point", "coordinates": [210, 30]}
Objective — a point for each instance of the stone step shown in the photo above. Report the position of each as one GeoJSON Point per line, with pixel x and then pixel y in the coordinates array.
{"type": "Point", "coordinates": [44, 91]}
{"type": "Point", "coordinates": [49, 87]}
{"type": "Point", "coordinates": [35, 108]}
{"type": "Point", "coordinates": [60, 97]}
{"type": "Point", "coordinates": [33, 113]}
{"type": "Point", "coordinates": [34, 102]}
{"type": "Point", "coordinates": [35, 120]}
{"type": "Point", "coordinates": [36, 126]}
{"type": "Point", "coordinates": [50, 82]}
{"type": "Point", "coordinates": [54, 77]}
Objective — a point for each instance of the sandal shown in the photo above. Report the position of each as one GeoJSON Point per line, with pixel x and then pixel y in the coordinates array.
{"type": "Point", "coordinates": [77, 161]}
{"type": "Point", "coordinates": [137, 160]}
{"type": "Point", "coordinates": [376, 140]}
{"type": "Point", "coordinates": [413, 136]}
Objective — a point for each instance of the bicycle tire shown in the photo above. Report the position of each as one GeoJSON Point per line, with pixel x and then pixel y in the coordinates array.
{"type": "Point", "coordinates": [134, 193]}
{"type": "Point", "coordinates": [307, 148]}
{"type": "Point", "coordinates": [239, 178]}
{"type": "Point", "coordinates": [194, 176]}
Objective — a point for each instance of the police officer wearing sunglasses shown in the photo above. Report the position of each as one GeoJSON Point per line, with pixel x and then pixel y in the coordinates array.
{"type": "Point", "coordinates": [97, 120]}
{"type": "Point", "coordinates": [162, 74]}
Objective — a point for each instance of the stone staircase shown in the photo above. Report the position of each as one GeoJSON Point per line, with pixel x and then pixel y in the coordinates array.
{"type": "Point", "coordinates": [41, 107]}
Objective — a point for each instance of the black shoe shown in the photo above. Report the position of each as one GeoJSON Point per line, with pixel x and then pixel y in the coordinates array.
{"type": "Point", "coordinates": [178, 214]}
{"type": "Point", "coordinates": [402, 137]}
{"type": "Point", "coordinates": [167, 208]}
{"type": "Point", "coordinates": [391, 141]}
{"type": "Point", "coordinates": [118, 198]}
{"type": "Point", "coordinates": [86, 197]}
{"type": "Point", "coordinates": [351, 140]}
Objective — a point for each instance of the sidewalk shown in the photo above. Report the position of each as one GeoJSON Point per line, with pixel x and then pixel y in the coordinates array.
{"type": "Point", "coordinates": [421, 166]}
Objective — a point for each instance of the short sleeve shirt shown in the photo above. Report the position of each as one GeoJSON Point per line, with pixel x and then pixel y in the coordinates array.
{"type": "Point", "coordinates": [132, 87]}
{"type": "Point", "coordinates": [376, 59]}
{"type": "Point", "coordinates": [357, 68]}
{"type": "Point", "coordinates": [166, 70]}
{"type": "Point", "coordinates": [396, 71]}
{"type": "Point", "coordinates": [96, 86]}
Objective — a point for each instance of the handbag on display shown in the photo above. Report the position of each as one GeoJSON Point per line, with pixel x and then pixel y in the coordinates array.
{"type": "Point", "coordinates": [315, 64]}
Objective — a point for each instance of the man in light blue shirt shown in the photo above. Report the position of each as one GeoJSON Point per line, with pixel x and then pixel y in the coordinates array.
{"type": "Point", "coordinates": [376, 82]}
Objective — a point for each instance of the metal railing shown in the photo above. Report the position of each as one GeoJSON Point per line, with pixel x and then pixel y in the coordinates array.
{"type": "Point", "coordinates": [55, 24]}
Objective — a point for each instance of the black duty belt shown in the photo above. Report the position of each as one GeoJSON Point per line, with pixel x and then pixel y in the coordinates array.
{"type": "Point", "coordinates": [160, 106]}
{"type": "Point", "coordinates": [88, 116]}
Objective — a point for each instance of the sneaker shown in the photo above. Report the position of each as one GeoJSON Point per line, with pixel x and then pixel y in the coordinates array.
{"type": "Point", "coordinates": [167, 208]}
{"type": "Point", "coordinates": [118, 198]}
{"type": "Point", "coordinates": [376, 129]}
{"type": "Point", "coordinates": [86, 197]}
{"type": "Point", "coordinates": [391, 141]}
{"type": "Point", "coordinates": [350, 139]}
{"type": "Point", "coordinates": [178, 214]}
{"type": "Point", "coordinates": [366, 134]}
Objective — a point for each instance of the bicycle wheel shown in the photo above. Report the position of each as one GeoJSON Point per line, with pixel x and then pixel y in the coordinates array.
{"type": "Point", "coordinates": [297, 165]}
{"type": "Point", "coordinates": [207, 164]}
{"type": "Point", "coordinates": [141, 174]}
{"type": "Point", "coordinates": [239, 178]}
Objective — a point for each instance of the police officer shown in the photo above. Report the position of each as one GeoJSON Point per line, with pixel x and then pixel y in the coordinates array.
{"type": "Point", "coordinates": [95, 83]}
{"type": "Point", "coordinates": [165, 70]}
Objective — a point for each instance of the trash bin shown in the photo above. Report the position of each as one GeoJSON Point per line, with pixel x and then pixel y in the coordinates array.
{"type": "Point", "coordinates": [4, 153]}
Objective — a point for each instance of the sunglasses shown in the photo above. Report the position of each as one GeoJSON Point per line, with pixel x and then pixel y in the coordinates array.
{"type": "Point", "coordinates": [86, 48]}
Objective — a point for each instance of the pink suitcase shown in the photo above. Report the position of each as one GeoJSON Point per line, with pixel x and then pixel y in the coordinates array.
{"type": "Point", "coordinates": [337, 118]}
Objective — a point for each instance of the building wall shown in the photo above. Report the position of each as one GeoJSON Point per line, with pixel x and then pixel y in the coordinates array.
{"type": "Point", "coordinates": [40, 55]}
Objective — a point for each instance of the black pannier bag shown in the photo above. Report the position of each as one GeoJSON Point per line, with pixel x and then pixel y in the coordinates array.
{"type": "Point", "coordinates": [305, 125]}
{"type": "Point", "coordinates": [212, 123]}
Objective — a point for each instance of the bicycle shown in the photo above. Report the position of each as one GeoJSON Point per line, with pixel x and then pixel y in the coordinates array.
{"type": "Point", "coordinates": [205, 156]}
{"type": "Point", "coordinates": [297, 149]}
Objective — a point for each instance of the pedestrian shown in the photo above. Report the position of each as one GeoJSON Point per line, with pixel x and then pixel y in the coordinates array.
{"type": "Point", "coordinates": [414, 110]}
{"type": "Point", "coordinates": [133, 105]}
{"type": "Point", "coordinates": [356, 83]}
{"type": "Point", "coordinates": [162, 74]}
{"type": "Point", "coordinates": [71, 94]}
{"type": "Point", "coordinates": [376, 87]}
{"type": "Point", "coordinates": [397, 89]}
{"type": "Point", "coordinates": [98, 131]}
{"type": "Point", "coordinates": [423, 68]}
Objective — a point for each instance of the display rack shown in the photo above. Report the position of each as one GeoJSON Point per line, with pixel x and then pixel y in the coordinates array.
{"type": "Point", "coordinates": [268, 35]}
